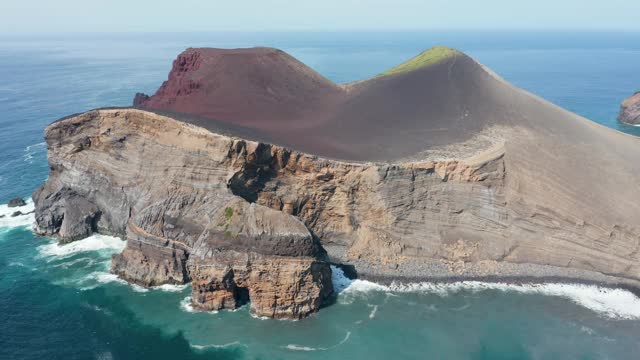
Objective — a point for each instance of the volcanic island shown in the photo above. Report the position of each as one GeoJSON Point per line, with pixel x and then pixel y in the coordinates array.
{"type": "Point", "coordinates": [253, 177]}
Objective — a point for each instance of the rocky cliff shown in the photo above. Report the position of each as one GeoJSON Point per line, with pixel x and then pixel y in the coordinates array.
{"type": "Point", "coordinates": [162, 185]}
{"type": "Point", "coordinates": [630, 110]}
{"type": "Point", "coordinates": [245, 219]}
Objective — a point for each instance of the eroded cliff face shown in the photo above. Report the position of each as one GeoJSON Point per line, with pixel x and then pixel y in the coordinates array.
{"type": "Point", "coordinates": [251, 221]}
{"type": "Point", "coordinates": [161, 185]}
{"type": "Point", "coordinates": [630, 110]}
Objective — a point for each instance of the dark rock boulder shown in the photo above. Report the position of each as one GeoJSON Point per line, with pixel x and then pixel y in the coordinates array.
{"type": "Point", "coordinates": [66, 214]}
{"type": "Point", "coordinates": [17, 202]}
{"type": "Point", "coordinates": [19, 213]}
{"type": "Point", "coordinates": [630, 110]}
{"type": "Point", "coordinates": [140, 98]}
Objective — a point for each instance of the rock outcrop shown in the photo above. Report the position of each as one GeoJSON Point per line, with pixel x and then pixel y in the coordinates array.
{"type": "Point", "coordinates": [630, 110]}
{"type": "Point", "coordinates": [17, 202]}
{"type": "Point", "coordinates": [509, 179]}
{"type": "Point", "coordinates": [139, 99]}
{"type": "Point", "coordinates": [162, 185]}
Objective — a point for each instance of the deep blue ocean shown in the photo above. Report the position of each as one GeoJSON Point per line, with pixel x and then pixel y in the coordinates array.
{"type": "Point", "coordinates": [61, 302]}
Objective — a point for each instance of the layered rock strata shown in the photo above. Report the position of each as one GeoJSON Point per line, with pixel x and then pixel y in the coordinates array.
{"type": "Point", "coordinates": [192, 205]}
{"type": "Point", "coordinates": [630, 110]}
{"type": "Point", "coordinates": [162, 185]}
{"type": "Point", "coordinates": [439, 160]}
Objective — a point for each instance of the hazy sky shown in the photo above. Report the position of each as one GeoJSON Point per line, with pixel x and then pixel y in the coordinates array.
{"type": "Point", "coordinates": [17, 16]}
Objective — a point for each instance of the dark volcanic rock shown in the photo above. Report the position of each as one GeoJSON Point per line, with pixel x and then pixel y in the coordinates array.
{"type": "Point", "coordinates": [630, 110]}
{"type": "Point", "coordinates": [20, 213]}
{"type": "Point", "coordinates": [65, 214]}
{"type": "Point", "coordinates": [17, 202]}
{"type": "Point", "coordinates": [139, 99]}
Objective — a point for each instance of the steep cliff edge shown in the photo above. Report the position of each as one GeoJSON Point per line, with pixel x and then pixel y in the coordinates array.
{"type": "Point", "coordinates": [498, 176]}
{"type": "Point", "coordinates": [630, 110]}
{"type": "Point", "coordinates": [161, 184]}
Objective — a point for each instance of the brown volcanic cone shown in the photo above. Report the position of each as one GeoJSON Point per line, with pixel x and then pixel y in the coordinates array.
{"type": "Point", "coordinates": [440, 96]}
{"type": "Point", "coordinates": [260, 88]}
{"type": "Point", "coordinates": [438, 99]}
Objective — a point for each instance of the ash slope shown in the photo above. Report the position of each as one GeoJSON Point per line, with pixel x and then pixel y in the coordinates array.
{"type": "Point", "coordinates": [440, 97]}
{"type": "Point", "coordinates": [499, 176]}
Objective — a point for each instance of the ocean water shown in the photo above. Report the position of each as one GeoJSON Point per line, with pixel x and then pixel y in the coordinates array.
{"type": "Point", "coordinates": [61, 302]}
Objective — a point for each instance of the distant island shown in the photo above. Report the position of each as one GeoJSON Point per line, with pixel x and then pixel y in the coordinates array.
{"type": "Point", "coordinates": [630, 110]}
{"type": "Point", "coordinates": [254, 177]}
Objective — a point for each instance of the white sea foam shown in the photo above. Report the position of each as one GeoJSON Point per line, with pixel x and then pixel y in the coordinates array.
{"type": "Point", "coordinates": [347, 289]}
{"type": "Point", "coordinates": [432, 308]}
{"type": "Point", "coordinates": [300, 348]}
{"type": "Point", "coordinates": [97, 308]}
{"type": "Point", "coordinates": [587, 330]}
{"type": "Point", "coordinates": [170, 287]}
{"type": "Point", "coordinates": [296, 347]}
{"type": "Point", "coordinates": [22, 265]}
{"type": "Point", "coordinates": [339, 280]}
{"type": "Point", "coordinates": [216, 346]}
{"type": "Point", "coordinates": [22, 220]}
{"type": "Point", "coordinates": [374, 310]}
{"type": "Point", "coordinates": [92, 243]}
{"type": "Point", "coordinates": [258, 317]}
{"type": "Point", "coordinates": [32, 150]}
{"type": "Point", "coordinates": [101, 277]}
{"type": "Point", "coordinates": [612, 303]}
{"type": "Point", "coordinates": [185, 305]}
{"type": "Point", "coordinates": [104, 356]}
{"type": "Point", "coordinates": [84, 260]}
{"type": "Point", "coordinates": [462, 308]}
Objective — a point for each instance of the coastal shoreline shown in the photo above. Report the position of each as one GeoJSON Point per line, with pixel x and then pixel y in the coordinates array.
{"type": "Point", "coordinates": [438, 271]}
{"type": "Point", "coordinates": [502, 279]}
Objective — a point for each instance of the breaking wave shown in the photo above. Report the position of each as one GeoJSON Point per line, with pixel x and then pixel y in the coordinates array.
{"type": "Point", "coordinates": [612, 303]}
{"type": "Point", "coordinates": [185, 305]}
{"type": "Point", "coordinates": [374, 310]}
{"type": "Point", "coordinates": [170, 287]}
{"type": "Point", "coordinates": [8, 221]}
{"type": "Point", "coordinates": [92, 243]}
{"type": "Point", "coordinates": [222, 346]}
{"type": "Point", "coordinates": [258, 317]}
{"type": "Point", "coordinates": [295, 347]}
{"type": "Point", "coordinates": [100, 277]}
{"type": "Point", "coordinates": [32, 150]}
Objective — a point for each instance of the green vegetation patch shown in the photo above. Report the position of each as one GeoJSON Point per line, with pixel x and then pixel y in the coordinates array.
{"type": "Point", "coordinates": [429, 57]}
{"type": "Point", "coordinates": [228, 213]}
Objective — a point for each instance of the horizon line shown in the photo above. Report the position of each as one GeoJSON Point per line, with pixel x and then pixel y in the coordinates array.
{"type": "Point", "coordinates": [320, 31]}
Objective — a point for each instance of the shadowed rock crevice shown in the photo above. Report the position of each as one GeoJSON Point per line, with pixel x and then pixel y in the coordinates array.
{"type": "Point", "coordinates": [258, 168]}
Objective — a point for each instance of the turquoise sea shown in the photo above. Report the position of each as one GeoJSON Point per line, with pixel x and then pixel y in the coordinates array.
{"type": "Point", "coordinates": [61, 302]}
